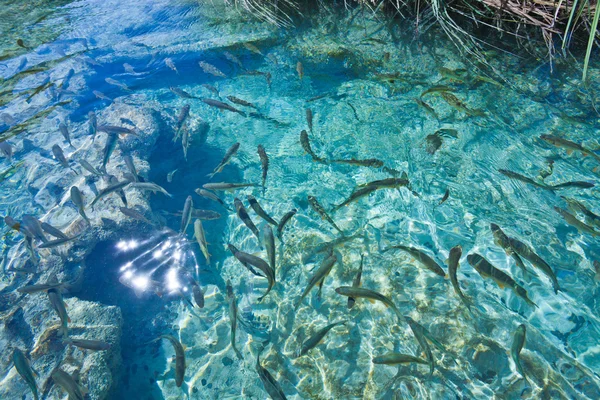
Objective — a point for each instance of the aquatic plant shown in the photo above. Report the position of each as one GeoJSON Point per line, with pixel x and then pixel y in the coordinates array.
{"type": "Point", "coordinates": [529, 22]}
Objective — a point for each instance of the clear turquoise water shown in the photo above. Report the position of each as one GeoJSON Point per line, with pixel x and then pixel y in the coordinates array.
{"type": "Point", "coordinates": [362, 114]}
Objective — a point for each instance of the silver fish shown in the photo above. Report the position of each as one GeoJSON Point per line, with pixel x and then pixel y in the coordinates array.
{"type": "Point", "coordinates": [201, 239]}
{"type": "Point", "coordinates": [101, 95]}
{"type": "Point", "coordinates": [259, 210]}
{"type": "Point", "coordinates": [23, 367]}
{"type": "Point", "coordinates": [112, 180]}
{"type": "Point", "coordinates": [58, 304]}
{"type": "Point", "coordinates": [181, 118]}
{"type": "Point", "coordinates": [269, 241]}
{"type": "Point", "coordinates": [211, 69]}
{"type": "Point", "coordinates": [226, 159]}
{"type": "Point", "coordinates": [318, 276]}
{"type": "Point", "coordinates": [233, 59]}
{"type": "Point", "coordinates": [356, 282]}
{"type": "Point", "coordinates": [93, 125]}
{"type": "Point", "coordinates": [77, 199]}
{"type": "Point", "coordinates": [131, 213]}
{"type": "Point", "coordinates": [88, 167]}
{"type": "Point", "coordinates": [223, 106]}
{"type": "Point", "coordinates": [66, 381]}
{"type": "Point", "coordinates": [114, 187]}
{"type": "Point", "coordinates": [227, 186]}
{"type": "Point", "coordinates": [186, 216]}
{"type": "Point", "coordinates": [88, 344]}
{"type": "Point", "coordinates": [6, 150]}
{"type": "Point", "coordinates": [60, 156]}
{"type": "Point", "coordinates": [211, 196]}
{"type": "Point", "coordinates": [243, 214]}
{"type": "Point", "coordinates": [109, 147]}
{"type": "Point", "coordinates": [271, 386]}
{"type": "Point", "coordinates": [422, 258]}
{"type": "Point", "coordinates": [169, 63]}
{"type": "Point", "coordinates": [34, 226]}
{"type": "Point", "coordinates": [283, 222]}
{"type": "Point", "coordinates": [233, 317]}
{"type": "Point", "coordinates": [49, 229]}
{"type": "Point", "coordinates": [264, 162]}
{"type": "Point", "coordinates": [131, 166]}
{"type": "Point", "coordinates": [359, 292]}
{"type": "Point", "coordinates": [315, 339]}
{"type": "Point", "coordinates": [453, 265]}
{"type": "Point", "coordinates": [55, 243]}
{"type": "Point", "coordinates": [397, 358]}
{"type": "Point", "coordinates": [517, 346]}
{"type": "Point", "coordinates": [65, 132]}
{"type": "Point", "coordinates": [114, 82]}
{"type": "Point", "coordinates": [153, 187]}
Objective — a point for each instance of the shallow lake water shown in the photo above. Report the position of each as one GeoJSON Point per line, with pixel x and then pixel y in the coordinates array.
{"type": "Point", "coordinates": [390, 153]}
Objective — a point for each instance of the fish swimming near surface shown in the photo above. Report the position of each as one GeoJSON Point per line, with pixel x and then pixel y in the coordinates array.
{"type": "Point", "coordinates": [68, 384]}
{"type": "Point", "coordinates": [169, 63]}
{"type": "Point", "coordinates": [201, 239]}
{"type": "Point", "coordinates": [150, 186]}
{"type": "Point", "coordinates": [60, 156]}
{"type": "Point", "coordinates": [131, 166]}
{"type": "Point", "coordinates": [252, 48]}
{"type": "Point", "coordinates": [88, 344]}
{"type": "Point", "coordinates": [577, 206]}
{"type": "Point", "coordinates": [227, 186]}
{"type": "Point", "coordinates": [90, 168]}
{"type": "Point", "coordinates": [503, 241]}
{"type": "Point", "coordinates": [23, 367]}
{"type": "Point", "coordinates": [249, 261]}
{"type": "Point", "coordinates": [223, 106]}
{"type": "Point", "coordinates": [112, 180]}
{"type": "Point", "coordinates": [359, 292]}
{"type": "Point", "coordinates": [92, 125]}
{"type": "Point", "coordinates": [49, 229]}
{"type": "Point", "coordinates": [527, 253]}
{"type": "Point", "coordinates": [358, 193]}
{"type": "Point", "coordinates": [186, 216]}
{"type": "Point", "coordinates": [269, 241]}
{"type": "Point", "coordinates": [260, 211]}
{"type": "Point", "coordinates": [318, 277]}
{"type": "Point", "coordinates": [182, 93]}
{"type": "Point", "coordinates": [226, 159]}
{"type": "Point", "coordinates": [422, 258]}
{"type": "Point", "coordinates": [517, 346]}
{"type": "Point", "coordinates": [522, 178]}
{"type": "Point", "coordinates": [356, 282]}
{"type": "Point", "coordinates": [119, 130]}
{"type": "Point", "coordinates": [64, 130]}
{"type": "Point", "coordinates": [264, 162]}
{"type": "Point", "coordinates": [101, 95]}
{"type": "Point", "coordinates": [40, 287]}
{"type": "Point", "coordinates": [271, 386]}
{"type": "Point", "coordinates": [58, 304]}
{"type": "Point", "coordinates": [426, 107]}
{"type": "Point", "coordinates": [371, 162]}
{"type": "Point", "coordinates": [109, 147]}
{"type": "Point", "coordinates": [211, 196]}
{"type": "Point", "coordinates": [233, 310]}
{"type": "Point", "coordinates": [241, 102]}
{"type": "Point", "coordinates": [318, 208]}
{"type": "Point", "coordinates": [445, 197]}
{"type": "Point", "coordinates": [309, 119]}
{"type": "Point", "coordinates": [304, 141]}
{"type": "Point", "coordinates": [114, 82]}
{"type": "Point", "coordinates": [573, 221]}
{"type": "Point", "coordinates": [131, 213]}
{"type": "Point", "coordinates": [419, 333]}
{"type": "Point", "coordinates": [77, 199]}
{"type": "Point", "coordinates": [211, 69]}
{"type": "Point", "coordinates": [179, 358]}
{"type": "Point", "coordinates": [181, 118]}
{"type": "Point", "coordinates": [569, 145]}
{"type": "Point", "coordinates": [112, 188]}
{"type": "Point", "coordinates": [6, 150]}
{"type": "Point", "coordinates": [397, 358]}
{"type": "Point", "coordinates": [487, 270]}
{"type": "Point", "coordinates": [211, 89]}
{"type": "Point", "coordinates": [300, 70]}
{"type": "Point", "coordinates": [317, 337]}
{"type": "Point", "coordinates": [233, 59]}
{"type": "Point", "coordinates": [283, 222]}
{"type": "Point", "coordinates": [34, 227]}
{"type": "Point", "coordinates": [243, 214]}
{"type": "Point", "coordinates": [453, 265]}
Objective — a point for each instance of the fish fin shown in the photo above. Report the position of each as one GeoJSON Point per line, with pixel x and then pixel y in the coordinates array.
{"type": "Point", "coordinates": [569, 152]}
{"type": "Point", "coordinates": [68, 319]}
{"type": "Point", "coordinates": [373, 302]}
